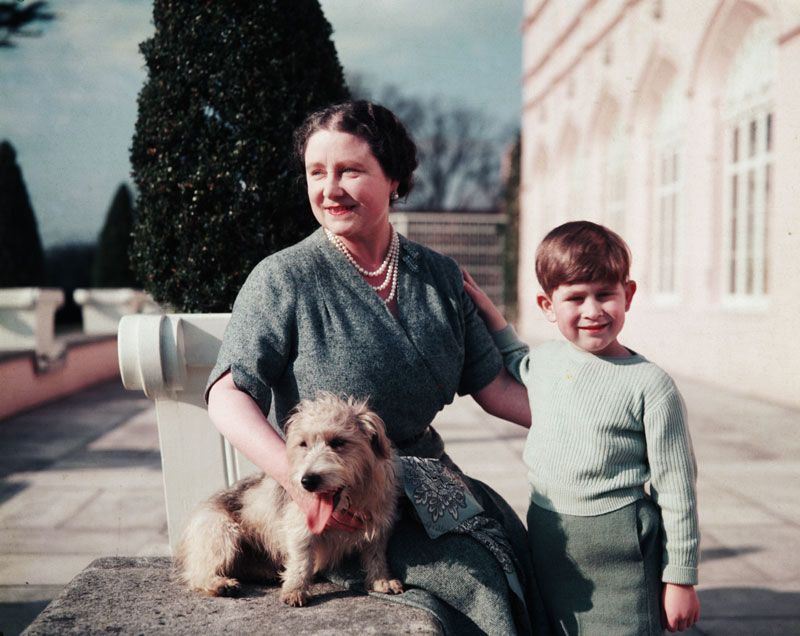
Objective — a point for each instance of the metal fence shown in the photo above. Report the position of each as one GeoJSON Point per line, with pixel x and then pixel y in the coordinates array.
{"type": "Point", "coordinates": [474, 240]}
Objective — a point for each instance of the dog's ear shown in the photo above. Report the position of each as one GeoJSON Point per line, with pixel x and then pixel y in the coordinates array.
{"type": "Point", "coordinates": [373, 425]}
{"type": "Point", "coordinates": [294, 415]}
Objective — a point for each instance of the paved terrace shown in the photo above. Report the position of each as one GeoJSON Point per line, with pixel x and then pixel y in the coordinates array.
{"type": "Point", "coordinates": [80, 479]}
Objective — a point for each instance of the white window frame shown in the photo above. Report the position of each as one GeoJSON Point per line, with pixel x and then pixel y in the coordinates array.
{"type": "Point", "coordinates": [667, 221]}
{"type": "Point", "coordinates": [667, 206]}
{"type": "Point", "coordinates": [748, 174]}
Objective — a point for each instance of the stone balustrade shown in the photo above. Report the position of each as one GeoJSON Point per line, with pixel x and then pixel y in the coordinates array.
{"type": "Point", "coordinates": [27, 320]}
{"type": "Point", "coordinates": [103, 308]}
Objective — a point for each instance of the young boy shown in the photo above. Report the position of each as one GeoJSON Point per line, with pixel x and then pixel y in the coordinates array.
{"type": "Point", "coordinates": [609, 558]}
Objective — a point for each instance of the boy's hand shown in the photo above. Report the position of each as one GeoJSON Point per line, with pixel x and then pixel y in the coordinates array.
{"type": "Point", "coordinates": [681, 606]}
{"type": "Point", "coordinates": [486, 308]}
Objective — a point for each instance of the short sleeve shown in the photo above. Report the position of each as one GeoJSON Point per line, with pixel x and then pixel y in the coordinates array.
{"type": "Point", "coordinates": [482, 360]}
{"type": "Point", "coordinates": [259, 337]}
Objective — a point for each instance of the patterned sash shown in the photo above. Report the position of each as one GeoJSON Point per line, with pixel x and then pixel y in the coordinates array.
{"type": "Point", "coordinates": [443, 503]}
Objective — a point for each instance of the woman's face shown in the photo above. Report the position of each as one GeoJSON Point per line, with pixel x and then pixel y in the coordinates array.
{"type": "Point", "coordinates": [347, 188]}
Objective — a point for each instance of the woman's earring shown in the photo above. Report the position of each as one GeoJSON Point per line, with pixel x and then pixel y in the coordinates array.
{"type": "Point", "coordinates": [394, 196]}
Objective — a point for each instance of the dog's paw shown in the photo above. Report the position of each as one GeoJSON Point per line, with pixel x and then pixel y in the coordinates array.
{"type": "Point", "coordinates": [220, 586]}
{"type": "Point", "coordinates": [295, 598]}
{"type": "Point", "coordinates": [387, 586]}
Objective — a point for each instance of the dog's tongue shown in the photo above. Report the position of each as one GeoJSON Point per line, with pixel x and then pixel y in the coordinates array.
{"type": "Point", "coordinates": [317, 517]}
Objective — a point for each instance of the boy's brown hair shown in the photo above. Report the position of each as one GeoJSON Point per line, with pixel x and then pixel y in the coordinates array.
{"type": "Point", "coordinates": [581, 252]}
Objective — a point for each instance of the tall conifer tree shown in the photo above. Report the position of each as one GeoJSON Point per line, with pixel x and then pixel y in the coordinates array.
{"type": "Point", "coordinates": [21, 254]}
{"type": "Point", "coordinates": [111, 266]}
{"type": "Point", "coordinates": [228, 82]}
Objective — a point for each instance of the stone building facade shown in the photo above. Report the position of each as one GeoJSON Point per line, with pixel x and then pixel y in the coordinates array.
{"type": "Point", "coordinates": [677, 123]}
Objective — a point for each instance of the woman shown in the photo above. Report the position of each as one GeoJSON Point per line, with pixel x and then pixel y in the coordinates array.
{"type": "Point", "coordinates": [356, 309]}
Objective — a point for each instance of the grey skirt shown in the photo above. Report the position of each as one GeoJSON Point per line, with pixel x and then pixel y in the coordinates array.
{"type": "Point", "coordinates": [463, 576]}
{"type": "Point", "coordinates": [599, 574]}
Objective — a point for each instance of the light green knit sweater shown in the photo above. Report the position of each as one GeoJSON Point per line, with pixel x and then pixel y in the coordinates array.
{"type": "Point", "coordinates": [602, 427]}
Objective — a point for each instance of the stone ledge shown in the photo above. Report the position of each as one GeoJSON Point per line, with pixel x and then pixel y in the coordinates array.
{"type": "Point", "coordinates": [124, 595]}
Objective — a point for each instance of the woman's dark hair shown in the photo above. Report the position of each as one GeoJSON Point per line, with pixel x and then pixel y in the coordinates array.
{"type": "Point", "coordinates": [385, 134]}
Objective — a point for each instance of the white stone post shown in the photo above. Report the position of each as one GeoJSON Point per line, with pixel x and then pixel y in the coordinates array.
{"type": "Point", "coordinates": [169, 357]}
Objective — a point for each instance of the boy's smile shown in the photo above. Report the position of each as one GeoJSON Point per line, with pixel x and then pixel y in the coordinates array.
{"type": "Point", "coordinates": [590, 315]}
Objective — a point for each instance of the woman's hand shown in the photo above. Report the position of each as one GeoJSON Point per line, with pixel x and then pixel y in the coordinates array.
{"type": "Point", "coordinates": [681, 606]}
{"type": "Point", "coordinates": [486, 308]}
{"type": "Point", "coordinates": [346, 520]}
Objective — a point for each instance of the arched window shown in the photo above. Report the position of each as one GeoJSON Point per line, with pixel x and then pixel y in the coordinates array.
{"type": "Point", "coordinates": [614, 168]}
{"type": "Point", "coordinates": [543, 204]}
{"type": "Point", "coordinates": [576, 185]}
{"type": "Point", "coordinates": [667, 179]}
{"type": "Point", "coordinates": [747, 112]}
{"type": "Point", "coordinates": [567, 184]}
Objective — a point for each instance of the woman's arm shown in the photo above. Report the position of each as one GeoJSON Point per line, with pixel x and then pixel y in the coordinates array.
{"type": "Point", "coordinates": [239, 419]}
{"type": "Point", "coordinates": [503, 397]}
{"type": "Point", "coordinates": [506, 398]}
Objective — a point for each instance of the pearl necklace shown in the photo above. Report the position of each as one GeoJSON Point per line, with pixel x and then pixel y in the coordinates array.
{"type": "Point", "coordinates": [389, 264]}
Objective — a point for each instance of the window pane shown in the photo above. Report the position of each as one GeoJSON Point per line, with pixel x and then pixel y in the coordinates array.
{"type": "Point", "coordinates": [768, 186]}
{"type": "Point", "coordinates": [734, 214]}
{"type": "Point", "coordinates": [750, 231]}
{"type": "Point", "coordinates": [768, 199]}
{"type": "Point", "coordinates": [769, 132]}
{"type": "Point", "coordinates": [671, 242]}
{"type": "Point", "coordinates": [661, 241]}
{"type": "Point", "coordinates": [675, 172]}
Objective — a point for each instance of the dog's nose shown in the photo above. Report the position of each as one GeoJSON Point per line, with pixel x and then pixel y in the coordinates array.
{"type": "Point", "coordinates": [310, 482]}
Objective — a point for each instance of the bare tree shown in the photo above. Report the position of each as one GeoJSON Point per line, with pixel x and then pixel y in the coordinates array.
{"type": "Point", "coordinates": [14, 17]}
{"type": "Point", "coordinates": [460, 149]}
{"type": "Point", "coordinates": [459, 158]}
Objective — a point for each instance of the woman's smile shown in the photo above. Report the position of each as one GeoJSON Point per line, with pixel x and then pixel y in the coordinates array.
{"type": "Point", "coordinates": [338, 210]}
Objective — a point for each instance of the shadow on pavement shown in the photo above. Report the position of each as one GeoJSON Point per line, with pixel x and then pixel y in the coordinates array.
{"type": "Point", "coordinates": [727, 552]}
{"type": "Point", "coordinates": [8, 490]}
{"type": "Point", "coordinates": [17, 614]}
{"type": "Point", "coordinates": [748, 611]}
{"type": "Point", "coordinates": [111, 458]}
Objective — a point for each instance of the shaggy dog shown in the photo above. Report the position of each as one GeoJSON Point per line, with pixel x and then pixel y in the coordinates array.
{"type": "Point", "coordinates": [339, 451]}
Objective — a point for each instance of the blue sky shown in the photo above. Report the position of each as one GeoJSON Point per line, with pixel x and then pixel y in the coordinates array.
{"type": "Point", "coordinates": [68, 98]}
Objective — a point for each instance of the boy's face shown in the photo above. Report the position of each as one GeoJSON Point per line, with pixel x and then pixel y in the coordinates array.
{"type": "Point", "coordinates": [590, 315]}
